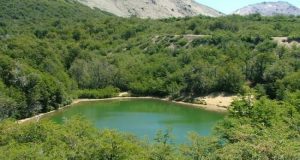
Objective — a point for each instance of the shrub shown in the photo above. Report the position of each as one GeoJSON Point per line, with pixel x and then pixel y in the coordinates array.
{"type": "Point", "coordinates": [107, 92]}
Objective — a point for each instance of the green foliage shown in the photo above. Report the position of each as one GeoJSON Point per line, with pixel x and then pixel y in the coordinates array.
{"type": "Point", "coordinates": [261, 129]}
{"type": "Point", "coordinates": [77, 47]}
{"type": "Point", "coordinates": [288, 84]}
{"type": "Point", "coordinates": [76, 139]}
{"type": "Point", "coordinates": [230, 79]}
{"type": "Point", "coordinates": [53, 49]}
{"type": "Point", "coordinates": [247, 133]}
{"type": "Point", "coordinates": [200, 147]}
{"type": "Point", "coordinates": [35, 91]}
{"type": "Point", "coordinates": [294, 37]}
{"type": "Point", "coordinates": [107, 92]}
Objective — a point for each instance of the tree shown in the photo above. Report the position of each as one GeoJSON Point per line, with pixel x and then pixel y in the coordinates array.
{"type": "Point", "coordinates": [199, 78]}
{"type": "Point", "coordinates": [79, 70]}
{"type": "Point", "coordinates": [200, 147]}
{"type": "Point", "coordinates": [258, 64]}
{"type": "Point", "coordinates": [230, 79]}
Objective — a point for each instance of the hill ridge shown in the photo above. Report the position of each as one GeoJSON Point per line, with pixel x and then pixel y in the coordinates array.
{"type": "Point", "coordinates": [155, 9]}
{"type": "Point", "coordinates": [269, 9]}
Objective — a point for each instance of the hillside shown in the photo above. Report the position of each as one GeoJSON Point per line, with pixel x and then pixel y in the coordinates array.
{"type": "Point", "coordinates": [270, 9]}
{"type": "Point", "coordinates": [152, 8]}
{"type": "Point", "coordinates": [53, 51]}
{"type": "Point", "coordinates": [45, 46]}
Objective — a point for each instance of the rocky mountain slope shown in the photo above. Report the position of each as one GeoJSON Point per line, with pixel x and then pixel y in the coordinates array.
{"type": "Point", "coordinates": [270, 9]}
{"type": "Point", "coordinates": [155, 9]}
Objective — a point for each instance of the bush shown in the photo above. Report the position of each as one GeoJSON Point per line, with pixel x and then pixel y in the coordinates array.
{"type": "Point", "coordinates": [107, 92]}
{"type": "Point", "coordinates": [294, 38]}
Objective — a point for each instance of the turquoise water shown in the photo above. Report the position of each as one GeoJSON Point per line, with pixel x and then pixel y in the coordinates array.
{"type": "Point", "coordinates": [144, 117]}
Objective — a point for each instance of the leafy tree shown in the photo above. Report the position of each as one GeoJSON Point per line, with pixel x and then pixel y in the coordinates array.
{"type": "Point", "coordinates": [230, 79]}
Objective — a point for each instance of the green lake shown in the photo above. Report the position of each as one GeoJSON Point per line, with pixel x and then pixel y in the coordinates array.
{"type": "Point", "coordinates": [144, 117]}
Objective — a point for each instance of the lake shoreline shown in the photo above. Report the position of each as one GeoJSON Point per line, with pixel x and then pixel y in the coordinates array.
{"type": "Point", "coordinates": [213, 108]}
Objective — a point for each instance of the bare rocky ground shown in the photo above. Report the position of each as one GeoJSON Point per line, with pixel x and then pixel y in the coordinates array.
{"type": "Point", "coordinates": [155, 9]}
{"type": "Point", "coordinates": [269, 9]}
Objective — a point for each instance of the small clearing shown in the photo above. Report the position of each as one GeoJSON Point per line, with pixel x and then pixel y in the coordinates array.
{"type": "Point", "coordinates": [284, 41]}
{"type": "Point", "coordinates": [222, 100]}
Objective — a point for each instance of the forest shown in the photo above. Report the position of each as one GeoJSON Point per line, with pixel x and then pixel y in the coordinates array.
{"type": "Point", "coordinates": [52, 51]}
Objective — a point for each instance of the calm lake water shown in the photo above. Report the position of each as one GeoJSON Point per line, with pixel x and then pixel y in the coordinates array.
{"type": "Point", "coordinates": [144, 117]}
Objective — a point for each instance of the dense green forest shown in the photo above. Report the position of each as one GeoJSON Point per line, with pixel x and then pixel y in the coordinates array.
{"type": "Point", "coordinates": [52, 51]}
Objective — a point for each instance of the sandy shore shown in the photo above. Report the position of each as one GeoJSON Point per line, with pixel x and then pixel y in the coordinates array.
{"type": "Point", "coordinates": [209, 107]}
